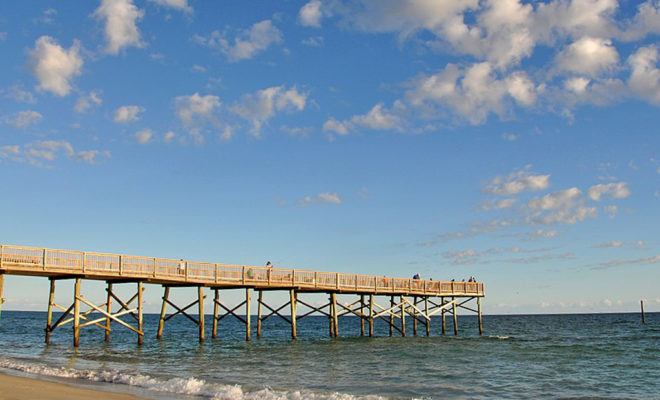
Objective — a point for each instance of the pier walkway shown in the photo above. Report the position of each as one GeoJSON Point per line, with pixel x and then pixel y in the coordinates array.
{"type": "Point", "coordinates": [417, 298]}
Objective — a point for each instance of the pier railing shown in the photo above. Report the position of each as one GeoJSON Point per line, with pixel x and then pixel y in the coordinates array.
{"type": "Point", "coordinates": [23, 260]}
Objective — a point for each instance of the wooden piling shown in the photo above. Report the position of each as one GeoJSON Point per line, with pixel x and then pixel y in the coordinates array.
{"type": "Point", "coordinates": [426, 311]}
{"type": "Point", "coordinates": [331, 319]}
{"type": "Point", "coordinates": [248, 326]}
{"type": "Point", "coordinates": [403, 317]}
{"type": "Point", "coordinates": [414, 316]}
{"type": "Point", "coordinates": [49, 317]}
{"type": "Point", "coordinates": [371, 315]}
{"type": "Point", "coordinates": [161, 320]}
{"type": "Point", "coordinates": [444, 317]}
{"type": "Point", "coordinates": [108, 305]}
{"type": "Point", "coordinates": [216, 310]}
{"type": "Point", "coordinates": [76, 313]}
{"type": "Point", "coordinates": [453, 307]}
{"type": "Point", "coordinates": [2, 284]}
{"type": "Point", "coordinates": [261, 292]}
{"type": "Point", "coordinates": [361, 315]}
{"type": "Point", "coordinates": [139, 321]}
{"type": "Point", "coordinates": [335, 317]}
{"type": "Point", "coordinates": [293, 304]}
{"type": "Point", "coordinates": [641, 304]}
{"type": "Point", "coordinates": [200, 297]}
{"type": "Point", "coordinates": [391, 315]}
{"type": "Point", "coordinates": [481, 328]}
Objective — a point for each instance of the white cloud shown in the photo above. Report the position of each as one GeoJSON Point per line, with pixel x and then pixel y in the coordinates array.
{"type": "Point", "coordinates": [472, 93]}
{"type": "Point", "coordinates": [617, 190]}
{"type": "Point", "coordinates": [261, 106]}
{"type": "Point", "coordinates": [332, 125]}
{"type": "Point", "coordinates": [588, 56]}
{"type": "Point", "coordinates": [17, 93]}
{"type": "Point", "coordinates": [53, 66]}
{"type": "Point", "coordinates": [645, 22]}
{"type": "Point", "coordinates": [42, 153]}
{"type": "Point", "coordinates": [168, 137]}
{"type": "Point", "coordinates": [181, 5]}
{"type": "Point", "coordinates": [517, 182]}
{"type": "Point", "coordinates": [85, 102]}
{"type": "Point", "coordinates": [607, 245]}
{"type": "Point", "coordinates": [611, 211]}
{"type": "Point", "coordinates": [144, 136]}
{"type": "Point", "coordinates": [247, 44]}
{"type": "Point", "coordinates": [321, 198]}
{"type": "Point", "coordinates": [126, 114]}
{"type": "Point", "coordinates": [509, 137]}
{"type": "Point", "coordinates": [24, 119]}
{"type": "Point", "coordinates": [191, 109]}
{"type": "Point", "coordinates": [561, 207]}
{"type": "Point", "coordinates": [121, 29]}
{"type": "Point", "coordinates": [620, 262]}
{"type": "Point", "coordinates": [314, 41]}
{"type": "Point", "coordinates": [310, 14]}
{"type": "Point", "coordinates": [577, 85]}
{"type": "Point", "coordinates": [645, 76]}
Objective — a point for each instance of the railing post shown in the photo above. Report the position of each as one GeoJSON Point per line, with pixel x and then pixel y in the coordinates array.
{"type": "Point", "coordinates": [43, 260]}
{"type": "Point", "coordinates": [216, 272]}
{"type": "Point", "coordinates": [84, 258]}
{"type": "Point", "coordinates": [243, 275]}
{"type": "Point", "coordinates": [121, 265]}
{"type": "Point", "coordinates": [316, 281]}
{"type": "Point", "coordinates": [356, 281]}
{"type": "Point", "coordinates": [293, 277]}
{"type": "Point", "coordinates": [337, 280]}
{"type": "Point", "coordinates": [155, 266]}
{"type": "Point", "coordinates": [2, 254]}
{"type": "Point", "coordinates": [186, 266]}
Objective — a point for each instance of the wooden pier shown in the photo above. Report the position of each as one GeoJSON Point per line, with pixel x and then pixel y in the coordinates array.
{"type": "Point", "coordinates": [416, 298]}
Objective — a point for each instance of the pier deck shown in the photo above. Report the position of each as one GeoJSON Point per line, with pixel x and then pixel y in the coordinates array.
{"type": "Point", "coordinates": [114, 268]}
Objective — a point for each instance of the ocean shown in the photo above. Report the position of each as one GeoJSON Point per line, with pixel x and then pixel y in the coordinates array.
{"type": "Point", "coordinates": [587, 356]}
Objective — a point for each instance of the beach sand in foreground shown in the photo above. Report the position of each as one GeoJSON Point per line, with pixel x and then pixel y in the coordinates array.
{"type": "Point", "coordinates": [18, 388]}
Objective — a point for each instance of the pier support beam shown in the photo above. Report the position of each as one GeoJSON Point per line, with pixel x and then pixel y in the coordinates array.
{"type": "Point", "coordinates": [335, 317]}
{"type": "Point", "coordinates": [453, 308]}
{"type": "Point", "coordinates": [200, 303]}
{"type": "Point", "coordinates": [293, 301]}
{"type": "Point", "coordinates": [76, 313]}
{"type": "Point", "coordinates": [481, 327]}
{"type": "Point", "coordinates": [371, 315]}
{"type": "Point", "coordinates": [108, 304]}
{"type": "Point", "coordinates": [217, 304]}
{"type": "Point", "coordinates": [199, 321]}
{"type": "Point", "coordinates": [259, 300]}
{"type": "Point", "coordinates": [139, 321]}
{"type": "Point", "coordinates": [444, 317]}
{"type": "Point", "coordinates": [2, 283]}
{"type": "Point", "coordinates": [403, 316]}
{"type": "Point", "coordinates": [362, 315]}
{"type": "Point", "coordinates": [415, 316]}
{"type": "Point", "coordinates": [426, 311]}
{"type": "Point", "coordinates": [391, 315]}
{"type": "Point", "coordinates": [49, 317]}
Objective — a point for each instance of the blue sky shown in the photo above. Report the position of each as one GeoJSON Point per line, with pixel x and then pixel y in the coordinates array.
{"type": "Point", "coordinates": [514, 141]}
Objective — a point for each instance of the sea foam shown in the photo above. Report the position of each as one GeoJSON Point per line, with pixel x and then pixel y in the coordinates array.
{"type": "Point", "coordinates": [183, 386]}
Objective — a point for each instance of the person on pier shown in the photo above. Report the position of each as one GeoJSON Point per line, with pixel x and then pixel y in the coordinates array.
{"type": "Point", "coordinates": [182, 267]}
{"type": "Point", "coordinates": [269, 268]}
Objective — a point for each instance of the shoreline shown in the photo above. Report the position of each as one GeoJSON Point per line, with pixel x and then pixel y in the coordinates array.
{"type": "Point", "coordinates": [26, 387]}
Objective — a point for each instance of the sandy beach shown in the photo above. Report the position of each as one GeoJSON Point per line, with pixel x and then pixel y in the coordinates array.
{"type": "Point", "coordinates": [19, 388]}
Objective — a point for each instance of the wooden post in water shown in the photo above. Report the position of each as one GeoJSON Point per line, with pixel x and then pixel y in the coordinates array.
{"type": "Point", "coordinates": [361, 315]}
{"type": "Point", "coordinates": [641, 304]}
{"type": "Point", "coordinates": [76, 313]}
{"type": "Point", "coordinates": [161, 320]}
{"type": "Point", "coordinates": [426, 311]}
{"type": "Point", "coordinates": [443, 312]}
{"type": "Point", "coordinates": [108, 305]}
{"type": "Point", "coordinates": [49, 318]}
{"type": "Point", "coordinates": [216, 310]}
{"type": "Point", "coordinates": [335, 317]}
{"type": "Point", "coordinates": [200, 297]}
{"type": "Point", "coordinates": [403, 317]}
{"type": "Point", "coordinates": [331, 320]}
{"type": "Point", "coordinates": [261, 292]}
{"type": "Point", "coordinates": [391, 314]}
{"type": "Point", "coordinates": [453, 307]}
{"type": "Point", "coordinates": [2, 283]}
{"type": "Point", "coordinates": [481, 327]}
{"type": "Point", "coordinates": [139, 321]}
{"type": "Point", "coordinates": [371, 315]}
{"type": "Point", "coordinates": [293, 304]}
{"type": "Point", "coordinates": [248, 326]}
{"type": "Point", "coordinates": [414, 316]}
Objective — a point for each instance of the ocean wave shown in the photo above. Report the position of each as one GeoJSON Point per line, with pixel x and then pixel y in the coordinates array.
{"type": "Point", "coordinates": [183, 386]}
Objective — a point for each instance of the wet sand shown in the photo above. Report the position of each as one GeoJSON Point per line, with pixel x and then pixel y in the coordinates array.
{"type": "Point", "coordinates": [19, 388]}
